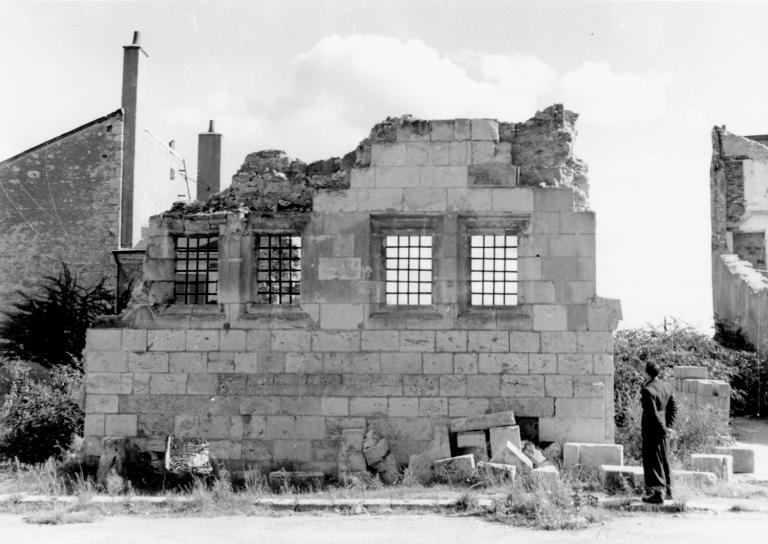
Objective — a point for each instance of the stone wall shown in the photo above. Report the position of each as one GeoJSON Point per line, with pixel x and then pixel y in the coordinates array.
{"type": "Point", "coordinates": [60, 202]}
{"type": "Point", "coordinates": [276, 385]}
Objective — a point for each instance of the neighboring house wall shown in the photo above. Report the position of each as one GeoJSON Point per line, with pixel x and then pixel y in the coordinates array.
{"type": "Point", "coordinates": [739, 210]}
{"type": "Point", "coordinates": [59, 202]}
{"type": "Point", "coordinates": [274, 384]}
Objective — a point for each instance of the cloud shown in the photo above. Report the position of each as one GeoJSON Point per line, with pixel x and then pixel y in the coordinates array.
{"type": "Point", "coordinates": [605, 97]}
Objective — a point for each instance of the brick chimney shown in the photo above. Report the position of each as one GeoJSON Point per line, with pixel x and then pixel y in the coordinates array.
{"type": "Point", "coordinates": [208, 163]}
{"type": "Point", "coordinates": [129, 103]}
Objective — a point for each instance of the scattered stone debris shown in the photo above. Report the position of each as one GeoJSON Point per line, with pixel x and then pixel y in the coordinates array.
{"type": "Point", "coordinates": [379, 458]}
{"type": "Point", "coordinates": [455, 469]}
{"type": "Point", "coordinates": [511, 455]}
{"type": "Point", "coordinates": [283, 480]}
{"type": "Point", "coordinates": [534, 454]}
{"type": "Point", "coordinates": [498, 470]}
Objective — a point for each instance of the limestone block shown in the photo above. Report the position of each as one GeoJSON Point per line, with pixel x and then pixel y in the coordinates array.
{"type": "Point", "coordinates": [453, 386]}
{"type": "Point", "coordinates": [433, 407]}
{"type": "Point", "coordinates": [368, 406]}
{"type": "Point", "coordinates": [425, 199]}
{"type": "Point", "coordinates": [442, 130]}
{"type": "Point", "coordinates": [572, 428]}
{"type": "Point", "coordinates": [451, 341]}
{"type": "Point", "coordinates": [455, 468]}
{"type": "Point", "coordinates": [419, 468]}
{"type": "Point", "coordinates": [120, 424]}
{"type": "Point", "coordinates": [499, 436]}
{"type": "Point", "coordinates": [281, 427]}
{"type": "Point", "coordinates": [402, 407]}
{"type": "Point", "coordinates": [93, 425]}
{"type": "Point", "coordinates": [388, 154]}
{"type": "Point", "coordinates": [246, 363]}
{"type": "Point", "coordinates": [383, 199]}
{"type": "Point", "coordinates": [400, 363]}
{"type": "Point", "coordinates": [492, 175]}
{"type": "Point", "coordinates": [335, 341]}
{"type": "Point", "coordinates": [471, 439]}
{"type": "Point", "coordinates": [459, 406]}
{"type": "Point", "coordinates": [524, 342]}
{"type": "Point", "coordinates": [592, 455]}
{"type": "Point", "coordinates": [571, 245]}
{"type": "Point", "coordinates": [417, 341]}
{"type": "Point", "coordinates": [484, 129]}
{"type": "Point", "coordinates": [232, 340]}
{"type": "Point", "coordinates": [393, 177]}
{"type": "Point", "coordinates": [103, 339]}
{"type": "Point", "coordinates": [443, 176]}
{"type": "Point", "coordinates": [380, 340]}
{"type": "Point", "coordinates": [603, 314]}
{"type": "Point", "coordinates": [575, 363]}
{"type": "Point", "coordinates": [558, 386]}
{"type": "Point", "coordinates": [522, 386]}
{"type": "Point", "coordinates": [108, 383]}
{"type": "Point", "coordinates": [222, 362]}
{"type": "Point", "coordinates": [497, 470]}
{"type": "Point", "coordinates": [693, 478]}
{"type": "Point", "coordinates": [488, 341]}
{"type": "Point", "coordinates": [509, 199]}
{"type": "Point", "coordinates": [545, 475]}
{"type": "Point", "coordinates": [106, 361]}
{"type": "Point", "coordinates": [586, 407]}
{"type": "Point", "coordinates": [551, 199]}
{"type": "Point", "coordinates": [465, 363]}
{"type": "Point", "coordinates": [168, 384]}
{"type": "Point", "coordinates": [448, 153]}
{"type": "Point", "coordinates": [544, 363]}
{"type": "Point", "coordinates": [339, 268]}
{"type": "Point", "coordinates": [718, 464]}
{"type": "Point", "coordinates": [483, 386]}
{"type": "Point", "coordinates": [577, 222]}
{"type": "Point", "coordinates": [257, 340]}
{"type": "Point", "coordinates": [691, 372]}
{"type": "Point", "coordinates": [134, 340]}
{"type": "Point", "coordinates": [482, 422]}
{"type": "Point", "coordinates": [202, 340]}
{"type": "Point", "coordinates": [341, 316]}
{"type": "Point", "coordinates": [464, 199]}
{"type": "Point", "coordinates": [620, 478]}
{"type": "Point", "coordinates": [166, 340]}
{"type": "Point", "coordinates": [202, 384]}
{"type": "Point", "coordinates": [362, 178]}
{"type": "Point", "coordinates": [331, 202]}
{"type": "Point", "coordinates": [550, 317]}
{"type": "Point", "coordinates": [421, 386]}
{"type": "Point", "coordinates": [290, 340]}
{"type": "Point", "coordinates": [743, 458]}
{"type": "Point", "coordinates": [558, 342]}
{"type": "Point", "coordinates": [374, 448]}
{"type": "Point", "coordinates": [594, 342]}
{"type": "Point", "coordinates": [148, 362]}
{"type": "Point", "coordinates": [188, 362]}
{"type": "Point", "coordinates": [437, 363]}
{"type": "Point", "coordinates": [512, 455]}
{"type": "Point", "coordinates": [353, 439]}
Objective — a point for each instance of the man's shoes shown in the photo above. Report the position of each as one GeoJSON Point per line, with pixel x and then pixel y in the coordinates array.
{"type": "Point", "coordinates": [654, 498]}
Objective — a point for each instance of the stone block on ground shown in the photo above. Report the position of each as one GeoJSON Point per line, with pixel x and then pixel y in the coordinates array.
{"type": "Point", "coordinates": [621, 478]}
{"type": "Point", "coordinates": [283, 480]}
{"type": "Point", "coordinates": [720, 465]}
{"type": "Point", "coordinates": [553, 452]}
{"type": "Point", "coordinates": [499, 436]}
{"type": "Point", "coordinates": [112, 458]}
{"type": "Point", "coordinates": [361, 479]}
{"type": "Point", "coordinates": [533, 453]}
{"type": "Point", "coordinates": [189, 455]}
{"type": "Point", "coordinates": [743, 458]}
{"type": "Point", "coordinates": [454, 468]}
{"type": "Point", "coordinates": [482, 422]}
{"type": "Point", "coordinates": [693, 478]}
{"type": "Point", "coordinates": [440, 447]}
{"type": "Point", "coordinates": [512, 455]}
{"type": "Point", "coordinates": [388, 469]}
{"type": "Point", "coordinates": [375, 448]}
{"type": "Point", "coordinates": [420, 468]}
{"type": "Point", "coordinates": [497, 470]}
{"type": "Point", "coordinates": [592, 455]}
{"type": "Point", "coordinates": [471, 439]}
{"type": "Point", "coordinates": [545, 474]}
{"type": "Point", "coordinates": [481, 454]}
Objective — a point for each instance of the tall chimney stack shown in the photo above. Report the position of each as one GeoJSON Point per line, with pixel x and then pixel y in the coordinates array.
{"type": "Point", "coordinates": [129, 103]}
{"type": "Point", "coordinates": [208, 163]}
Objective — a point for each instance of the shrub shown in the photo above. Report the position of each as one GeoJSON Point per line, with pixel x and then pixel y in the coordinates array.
{"type": "Point", "coordinates": [40, 415]}
{"type": "Point", "coordinates": [47, 324]}
{"type": "Point", "coordinates": [750, 378]}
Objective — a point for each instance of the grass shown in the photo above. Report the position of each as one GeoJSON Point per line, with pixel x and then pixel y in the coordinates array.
{"type": "Point", "coordinates": [61, 516]}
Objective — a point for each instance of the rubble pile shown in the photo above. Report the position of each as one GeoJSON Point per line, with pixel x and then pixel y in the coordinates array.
{"type": "Point", "coordinates": [363, 454]}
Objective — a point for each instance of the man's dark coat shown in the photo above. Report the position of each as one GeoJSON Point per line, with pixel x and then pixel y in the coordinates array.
{"type": "Point", "coordinates": [659, 410]}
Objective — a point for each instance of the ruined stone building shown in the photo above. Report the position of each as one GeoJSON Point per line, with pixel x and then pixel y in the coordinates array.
{"type": "Point", "coordinates": [739, 210]}
{"type": "Point", "coordinates": [83, 197]}
{"type": "Point", "coordinates": [442, 269]}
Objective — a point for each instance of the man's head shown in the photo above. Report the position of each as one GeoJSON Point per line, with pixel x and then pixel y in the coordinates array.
{"type": "Point", "coordinates": [652, 369]}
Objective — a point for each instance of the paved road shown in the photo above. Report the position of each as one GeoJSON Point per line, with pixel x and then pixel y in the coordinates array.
{"type": "Point", "coordinates": [744, 528]}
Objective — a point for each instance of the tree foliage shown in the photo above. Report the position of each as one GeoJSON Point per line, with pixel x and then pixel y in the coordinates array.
{"type": "Point", "coordinates": [47, 324]}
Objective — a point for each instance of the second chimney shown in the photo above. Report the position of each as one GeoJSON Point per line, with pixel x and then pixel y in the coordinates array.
{"type": "Point", "coordinates": [208, 163]}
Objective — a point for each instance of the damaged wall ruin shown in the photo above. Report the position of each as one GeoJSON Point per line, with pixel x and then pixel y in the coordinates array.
{"type": "Point", "coordinates": [739, 213]}
{"type": "Point", "coordinates": [276, 384]}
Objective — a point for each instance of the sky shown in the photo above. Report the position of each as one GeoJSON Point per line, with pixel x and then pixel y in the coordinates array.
{"type": "Point", "coordinates": [649, 81]}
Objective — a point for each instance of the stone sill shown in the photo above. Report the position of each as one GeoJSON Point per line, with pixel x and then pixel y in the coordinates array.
{"type": "Point", "coordinates": [423, 312]}
{"type": "Point", "coordinates": [294, 315]}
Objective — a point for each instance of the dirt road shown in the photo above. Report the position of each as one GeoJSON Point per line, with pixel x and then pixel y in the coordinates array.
{"type": "Point", "coordinates": [745, 528]}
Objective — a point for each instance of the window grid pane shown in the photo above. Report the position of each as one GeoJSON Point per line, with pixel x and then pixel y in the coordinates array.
{"type": "Point", "coordinates": [493, 270]}
{"type": "Point", "coordinates": [196, 269]}
{"type": "Point", "coordinates": [278, 269]}
{"type": "Point", "coordinates": [408, 270]}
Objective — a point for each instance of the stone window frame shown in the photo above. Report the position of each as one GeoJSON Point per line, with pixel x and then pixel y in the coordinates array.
{"type": "Point", "coordinates": [281, 225]}
{"type": "Point", "coordinates": [383, 225]}
{"type": "Point", "coordinates": [477, 224]}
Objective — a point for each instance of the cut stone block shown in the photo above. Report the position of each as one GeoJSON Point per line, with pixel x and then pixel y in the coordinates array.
{"type": "Point", "coordinates": [545, 474]}
{"type": "Point", "coordinates": [455, 468]}
{"type": "Point", "coordinates": [440, 447]}
{"type": "Point", "coordinates": [533, 453]}
{"type": "Point", "coordinates": [482, 422]}
{"type": "Point", "coordinates": [471, 439]}
{"type": "Point", "coordinates": [693, 478]}
{"type": "Point", "coordinates": [498, 470]}
{"type": "Point", "coordinates": [720, 465]}
{"type": "Point", "coordinates": [353, 439]}
{"type": "Point", "coordinates": [620, 478]}
{"type": "Point", "coordinates": [420, 468]}
{"type": "Point", "coordinates": [687, 372]}
{"type": "Point", "coordinates": [480, 453]}
{"type": "Point", "coordinates": [388, 469]}
{"type": "Point", "coordinates": [501, 435]}
{"type": "Point", "coordinates": [511, 455]}
{"type": "Point", "coordinates": [592, 455]}
{"type": "Point", "coordinates": [376, 453]}
{"type": "Point", "coordinates": [743, 458]}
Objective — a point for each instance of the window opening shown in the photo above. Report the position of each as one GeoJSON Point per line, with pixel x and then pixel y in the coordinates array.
{"type": "Point", "coordinates": [408, 266]}
{"type": "Point", "coordinates": [493, 270]}
{"type": "Point", "coordinates": [278, 269]}
{"type": "Point", "coordinates": [196, 269]}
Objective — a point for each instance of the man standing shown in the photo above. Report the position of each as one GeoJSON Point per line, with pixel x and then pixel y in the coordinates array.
{"type": "Point", "coordinates": [659, 409]}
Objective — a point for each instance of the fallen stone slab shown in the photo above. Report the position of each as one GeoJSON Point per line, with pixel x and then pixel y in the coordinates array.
{"type": "Point", "coordinates": [743, 458]}
{"type": "Point", "coordinates": [592, 455]}
{"type": "Point", "coordinates": [621, 478]}
{"type": "Point", "coordinates": [693, 478]}
{"type": "Point", "coordinates": [419, 468]}
{"type": "Point", "coordinates": [375, 450]}
{"type": "Point", "coordinates": [482, 422]}
{"type": "Point", "coordinates": [512, 455]}
{"type": "Point", "coordinates": [282, 480]}
{"type": "Point", "coordinates": [545, 475]}
{"type": "Point", "coordinates": [498, 470]}
{"type": "Point", "coordinates": [388, 469]}
{"type": "Point", "coordinates": [499, 436]}
{"type": "Point", "coordinates": [455, 468]}
{"type": "Point", "coordinates": [440, 446]}
{"type": "Point", "coordinates": [480, 453]}
{"type": "Point", "coordinates": [471, 439]}
{"type": "Point", "coordinates": [534, 454]}
{"type": "Point", "coordinates": [720, 465]}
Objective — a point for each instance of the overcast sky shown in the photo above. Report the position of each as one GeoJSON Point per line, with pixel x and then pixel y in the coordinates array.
{"type": "Point", "coordinates": [311, 77]}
